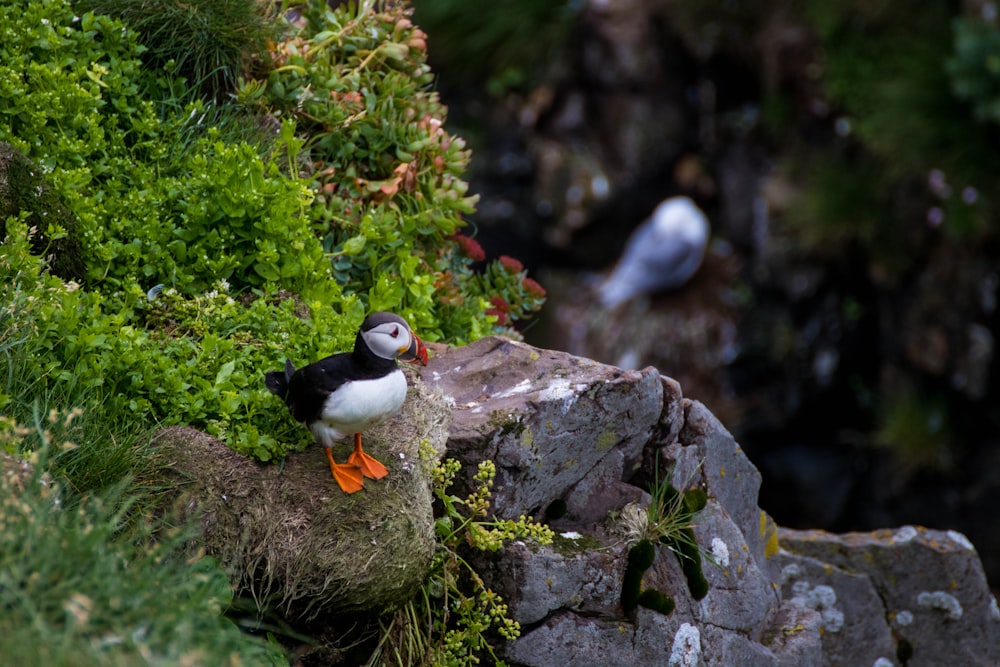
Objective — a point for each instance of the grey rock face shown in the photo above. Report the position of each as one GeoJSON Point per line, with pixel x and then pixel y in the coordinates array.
{"type": "Point", "coordinates": [908, 591]}
{"type": "Point", "coordinates": [547, 419]}
{"type": "Point", "coordinates": [563, 429]}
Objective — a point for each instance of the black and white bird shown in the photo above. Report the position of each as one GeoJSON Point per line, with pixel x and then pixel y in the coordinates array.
{"type": "Point", "coordinates": [662, 253]}
{"type": "Point", "coordinates": [348, 393]}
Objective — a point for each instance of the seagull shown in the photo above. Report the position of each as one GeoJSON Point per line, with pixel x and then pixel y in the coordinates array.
{"type": "Point", "coordinates": [662, 253]}
{"type": "Point", "coordinates": [348, 393]}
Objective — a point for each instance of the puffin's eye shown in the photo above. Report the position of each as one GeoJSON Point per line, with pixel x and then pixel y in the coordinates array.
{"type": "Point", "coordinates": [395, 332]}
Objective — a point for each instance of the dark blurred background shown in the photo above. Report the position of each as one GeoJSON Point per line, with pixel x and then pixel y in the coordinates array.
{"type": "Point", "coordinates": [847, 153]}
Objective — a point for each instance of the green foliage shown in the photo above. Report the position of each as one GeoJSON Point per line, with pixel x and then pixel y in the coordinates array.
{"type": "Point", "coordinates": [173, 360]}
{"type": "Point", "coordinates": [389, 188]}
{"type": "Point", "coordinates": [216, 237]}
{"type": "Point", "coordinates": [267, 246]}
{"type": "Point", "coordinates": [210, 43]}
{"type": "Point", "coordinates": [449, 622]}
{"type": "Point", "coordinates": [887, 68]}
{"type": "Point", "coordinates": [656, 600]}
{"type": "Point", "coordinates": [83, 582]}
{"type": "Point", "coordinates": [668, 520]}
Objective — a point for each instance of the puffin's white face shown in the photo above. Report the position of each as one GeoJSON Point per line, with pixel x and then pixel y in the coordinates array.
{"type": "Point", "coordinates": [388, 340]}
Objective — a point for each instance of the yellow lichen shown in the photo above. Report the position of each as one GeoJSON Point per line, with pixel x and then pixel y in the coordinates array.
{"type": "Point", "coordinates": [606, 440]}
{"type": "Point", "coordinates": [769, 533]}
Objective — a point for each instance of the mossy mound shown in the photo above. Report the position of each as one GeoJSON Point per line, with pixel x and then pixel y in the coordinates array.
{"type": "Point", "coordinates": [289, 536]}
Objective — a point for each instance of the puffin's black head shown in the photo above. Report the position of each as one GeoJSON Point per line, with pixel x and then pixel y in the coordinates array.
{"type": "Point", "coordinates": [388, 336]}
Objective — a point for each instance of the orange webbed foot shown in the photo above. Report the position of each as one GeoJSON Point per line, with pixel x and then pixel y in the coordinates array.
{"type": "Point", "coordinates": [368, 465]}
{"type": "Point", "coordinates": [348, 475]}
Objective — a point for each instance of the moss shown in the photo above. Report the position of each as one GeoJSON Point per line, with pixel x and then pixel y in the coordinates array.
{"type": "Point", "coordinates": [640, 558]}
{"type": "Point", "coordinates": [506, 423]}
{"type": "Point", "coordinates": [657, 601]}
{"type": "Point", "coordinates": [571, 547]}
{"type": "Point", "coordinates": [695, 500]}
{"type": "Point", "coordinates": [689, 556]}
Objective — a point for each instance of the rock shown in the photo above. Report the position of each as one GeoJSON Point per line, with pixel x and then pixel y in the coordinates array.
{"type": "Point", "coordinates": [548, 420]}
{"type": "Point", "coordinates": [290, 536]}
{"type": "Point", "coordinates": [773, 597]}
{"type": "Point", "coordinates": [905, 591]}
{"type": "Point", "coordinates": [579, 573]}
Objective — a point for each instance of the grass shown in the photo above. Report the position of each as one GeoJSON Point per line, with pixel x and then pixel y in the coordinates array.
{"type": "Point", "coordinates": [87, 578]}
{"type": "Point", "coordinates": [668, 520]}
{"type": "Point", "coordinates": [209, 43]}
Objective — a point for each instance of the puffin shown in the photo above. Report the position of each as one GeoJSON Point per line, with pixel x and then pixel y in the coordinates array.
{"type": "Point", "coordinates": [661, 254]}
{"type": "Point", "coordinates": [349, 392]}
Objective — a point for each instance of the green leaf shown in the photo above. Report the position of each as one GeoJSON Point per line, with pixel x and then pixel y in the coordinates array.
{"type": "Point", "coordinates": [225, 372]}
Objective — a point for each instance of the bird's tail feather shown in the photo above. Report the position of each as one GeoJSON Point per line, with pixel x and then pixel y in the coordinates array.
{"type": "Point", "coordinates": [277, 381]}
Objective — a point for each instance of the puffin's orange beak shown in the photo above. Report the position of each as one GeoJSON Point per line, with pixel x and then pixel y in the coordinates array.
{"type": "Point", "coordinates": [416, 352]}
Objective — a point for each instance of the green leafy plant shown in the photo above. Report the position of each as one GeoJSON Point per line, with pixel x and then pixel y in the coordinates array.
{"type": "Point", "coordinates": [667, 520]}
{"type": "Point", "coordinates": [449, 622]}
{"type": "Point", "coordinates": [388, 176]}
{"type": "Point", "coordinates": [87, 581]}
{"type": "Point", "coordinates": [211, 43]}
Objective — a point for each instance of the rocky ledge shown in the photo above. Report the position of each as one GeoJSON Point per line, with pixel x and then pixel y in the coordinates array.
{"type": "Point", "coordinates": [577, 441]}
{"type": "Point", "coordinates": [579, 444]}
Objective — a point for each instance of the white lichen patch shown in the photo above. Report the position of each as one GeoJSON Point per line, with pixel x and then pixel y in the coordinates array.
{"type": "Point", "coordinates": [883, 662]}
{"type": "Point", "coordinates": [823, 599]}
{"type": "Point", "coordinates": [904, 617]}
{"type": "Point", "coordinates": [905, 534]}
{"type": "Point", "coordinates": [720, 552]}
{"type": "Point", "coordinates": [561, 389]}
{"type": "Point", "coordinates": [945, 602]}
{"type": "Point", "coordinates": [961, 539]}
{"type": "Point", "coordinates": [686, 649]}
{"type": "Point", "coordinates": [522, 387]}
{"type": "Point", "coordinates": [790, 572]}
{"type": "Point", "coordinates": [571, 535]}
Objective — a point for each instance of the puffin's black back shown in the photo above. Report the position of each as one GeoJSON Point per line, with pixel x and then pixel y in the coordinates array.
{"type": "Point", "coordinates": [305, 391]}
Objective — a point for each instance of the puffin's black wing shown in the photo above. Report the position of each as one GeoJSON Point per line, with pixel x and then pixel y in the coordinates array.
{"type": "Point", "coordinates": [310, 386]}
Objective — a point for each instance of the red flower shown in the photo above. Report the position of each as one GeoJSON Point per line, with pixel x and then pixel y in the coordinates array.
{"type": "Point", "coordinates": [500, 303]}
{"type": "Point", "coordinates": [470, 247]}
{"type": "Point", "coordinates": [532, 287]}
{"type": "Point", "coordinates": [500, 309]}
{"type": "Point", "coordinates": [511, 264]}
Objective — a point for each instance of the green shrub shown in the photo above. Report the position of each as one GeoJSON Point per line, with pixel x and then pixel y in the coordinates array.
{"type": "Point", "coordinates": [390, 195]}
{"type": "Point", "coordinates": [210, 43]}
{"type": "Point", "coordinates": [453, 617]}
{"type": "Point", "coordinates": [84, 582]}
{"type": "Point", "coordinates": [265, 246]}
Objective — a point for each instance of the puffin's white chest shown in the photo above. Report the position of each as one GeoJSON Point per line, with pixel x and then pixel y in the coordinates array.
{"type": "Point", "coordinates": [356, 406]}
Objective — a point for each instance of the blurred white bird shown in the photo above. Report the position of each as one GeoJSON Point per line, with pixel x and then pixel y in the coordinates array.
{"type": "Point", "coordinates": [662, 253]}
